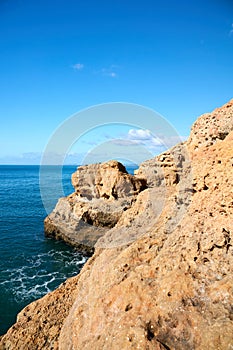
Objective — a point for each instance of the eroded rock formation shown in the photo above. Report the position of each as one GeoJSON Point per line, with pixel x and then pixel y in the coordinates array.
{"type": "Point", "coordinates": [102, 193]}
{"type": "Point", "coordinates": [161, 278]}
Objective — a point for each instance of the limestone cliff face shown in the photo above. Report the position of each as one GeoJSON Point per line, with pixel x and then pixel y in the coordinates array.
{"type": "Point", "coordinates": [211, 127]}
{"type": "Point", "coordinates": [102, 193]}
{"type": "Point", "coordinates": [161, 278]}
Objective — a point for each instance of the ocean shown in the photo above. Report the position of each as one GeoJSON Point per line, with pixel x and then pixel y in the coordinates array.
{"type": "Point", "coordinates": [31, 265]}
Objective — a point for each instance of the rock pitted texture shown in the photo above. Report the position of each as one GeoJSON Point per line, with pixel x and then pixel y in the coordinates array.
{"type": "Point", "coordinates": [211, 127]}
{"type": "Point", "coordinates": [170, 286]}
{"type": "Point", "coordinates": [39, 324]}
{"type": "Point", "coordinates": [102, 193]}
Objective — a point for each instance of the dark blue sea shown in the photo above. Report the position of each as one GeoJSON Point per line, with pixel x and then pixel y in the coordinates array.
{"type": "Point", "coordinates": [31, 265]}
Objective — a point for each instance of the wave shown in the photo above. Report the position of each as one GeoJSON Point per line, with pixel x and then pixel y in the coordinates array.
{"type": "Point", "coordinates": [40, 274]}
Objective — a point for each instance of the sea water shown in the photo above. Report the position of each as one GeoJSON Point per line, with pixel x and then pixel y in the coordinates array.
{"type": "Point", "coordinates": [31, 265]}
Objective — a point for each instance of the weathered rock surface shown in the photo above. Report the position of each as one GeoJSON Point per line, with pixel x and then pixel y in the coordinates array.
{"type": "Point", "coordinates": [39, 324]}
{"type": "Point", "coordinates": [161, 278]}
{"type": "Point", "coordinates": [211, 127]}
{"type": "Point", "coordinates": [102, 193]}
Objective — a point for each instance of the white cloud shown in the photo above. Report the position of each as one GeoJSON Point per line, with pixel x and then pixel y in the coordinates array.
{"type": "Point", "coordinates": [155, 143]}
{"type": "Point", "coordinates": [143, 136]}
{"type": "Point", "coordinates": [123, 142]}
{"type": "Point", "coordinates": [78, 66]}
{"type": "Point", "coordinates": [139, 134]}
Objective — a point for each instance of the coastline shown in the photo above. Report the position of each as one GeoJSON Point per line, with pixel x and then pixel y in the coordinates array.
{"type": "Point", "coordinates": [158, 277]}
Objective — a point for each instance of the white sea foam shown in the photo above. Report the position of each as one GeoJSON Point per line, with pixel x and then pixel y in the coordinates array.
{"type": "Point", "coordinates": [40, 274]}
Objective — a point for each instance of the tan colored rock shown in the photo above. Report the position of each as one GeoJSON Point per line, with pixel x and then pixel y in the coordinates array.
{"type": "Point", "coordinates": [108, 180]}
{"type": "Point", "coordinates": [166, 290]}
{"type": "Point", "coordinates": [102, 193]}
{"type": "Point", "coordinates": [165, 278]}
{"type": "Point", "coordinates": [39, 324]}
{"type": "Point", "coordinates": [211, 127]}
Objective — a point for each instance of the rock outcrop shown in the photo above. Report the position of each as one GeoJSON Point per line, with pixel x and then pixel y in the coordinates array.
{"type": "Point", "coordinates": [102, 193]}
{"type": "Point", "coordinates": [39, 324]}
{"type": "Point", "coordinates": [161, 278]}
{"type": "Point", "coordinates": [211, 127]}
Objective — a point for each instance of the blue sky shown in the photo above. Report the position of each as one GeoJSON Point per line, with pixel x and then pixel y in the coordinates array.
{"type": "Point", "coordinates": [58, 57]}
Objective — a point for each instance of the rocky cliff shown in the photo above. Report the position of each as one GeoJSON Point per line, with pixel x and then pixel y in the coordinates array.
{"type": "Point", "coordinates": [161, 276]}
{"type": "Point", "coordinates": [102, 193]}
